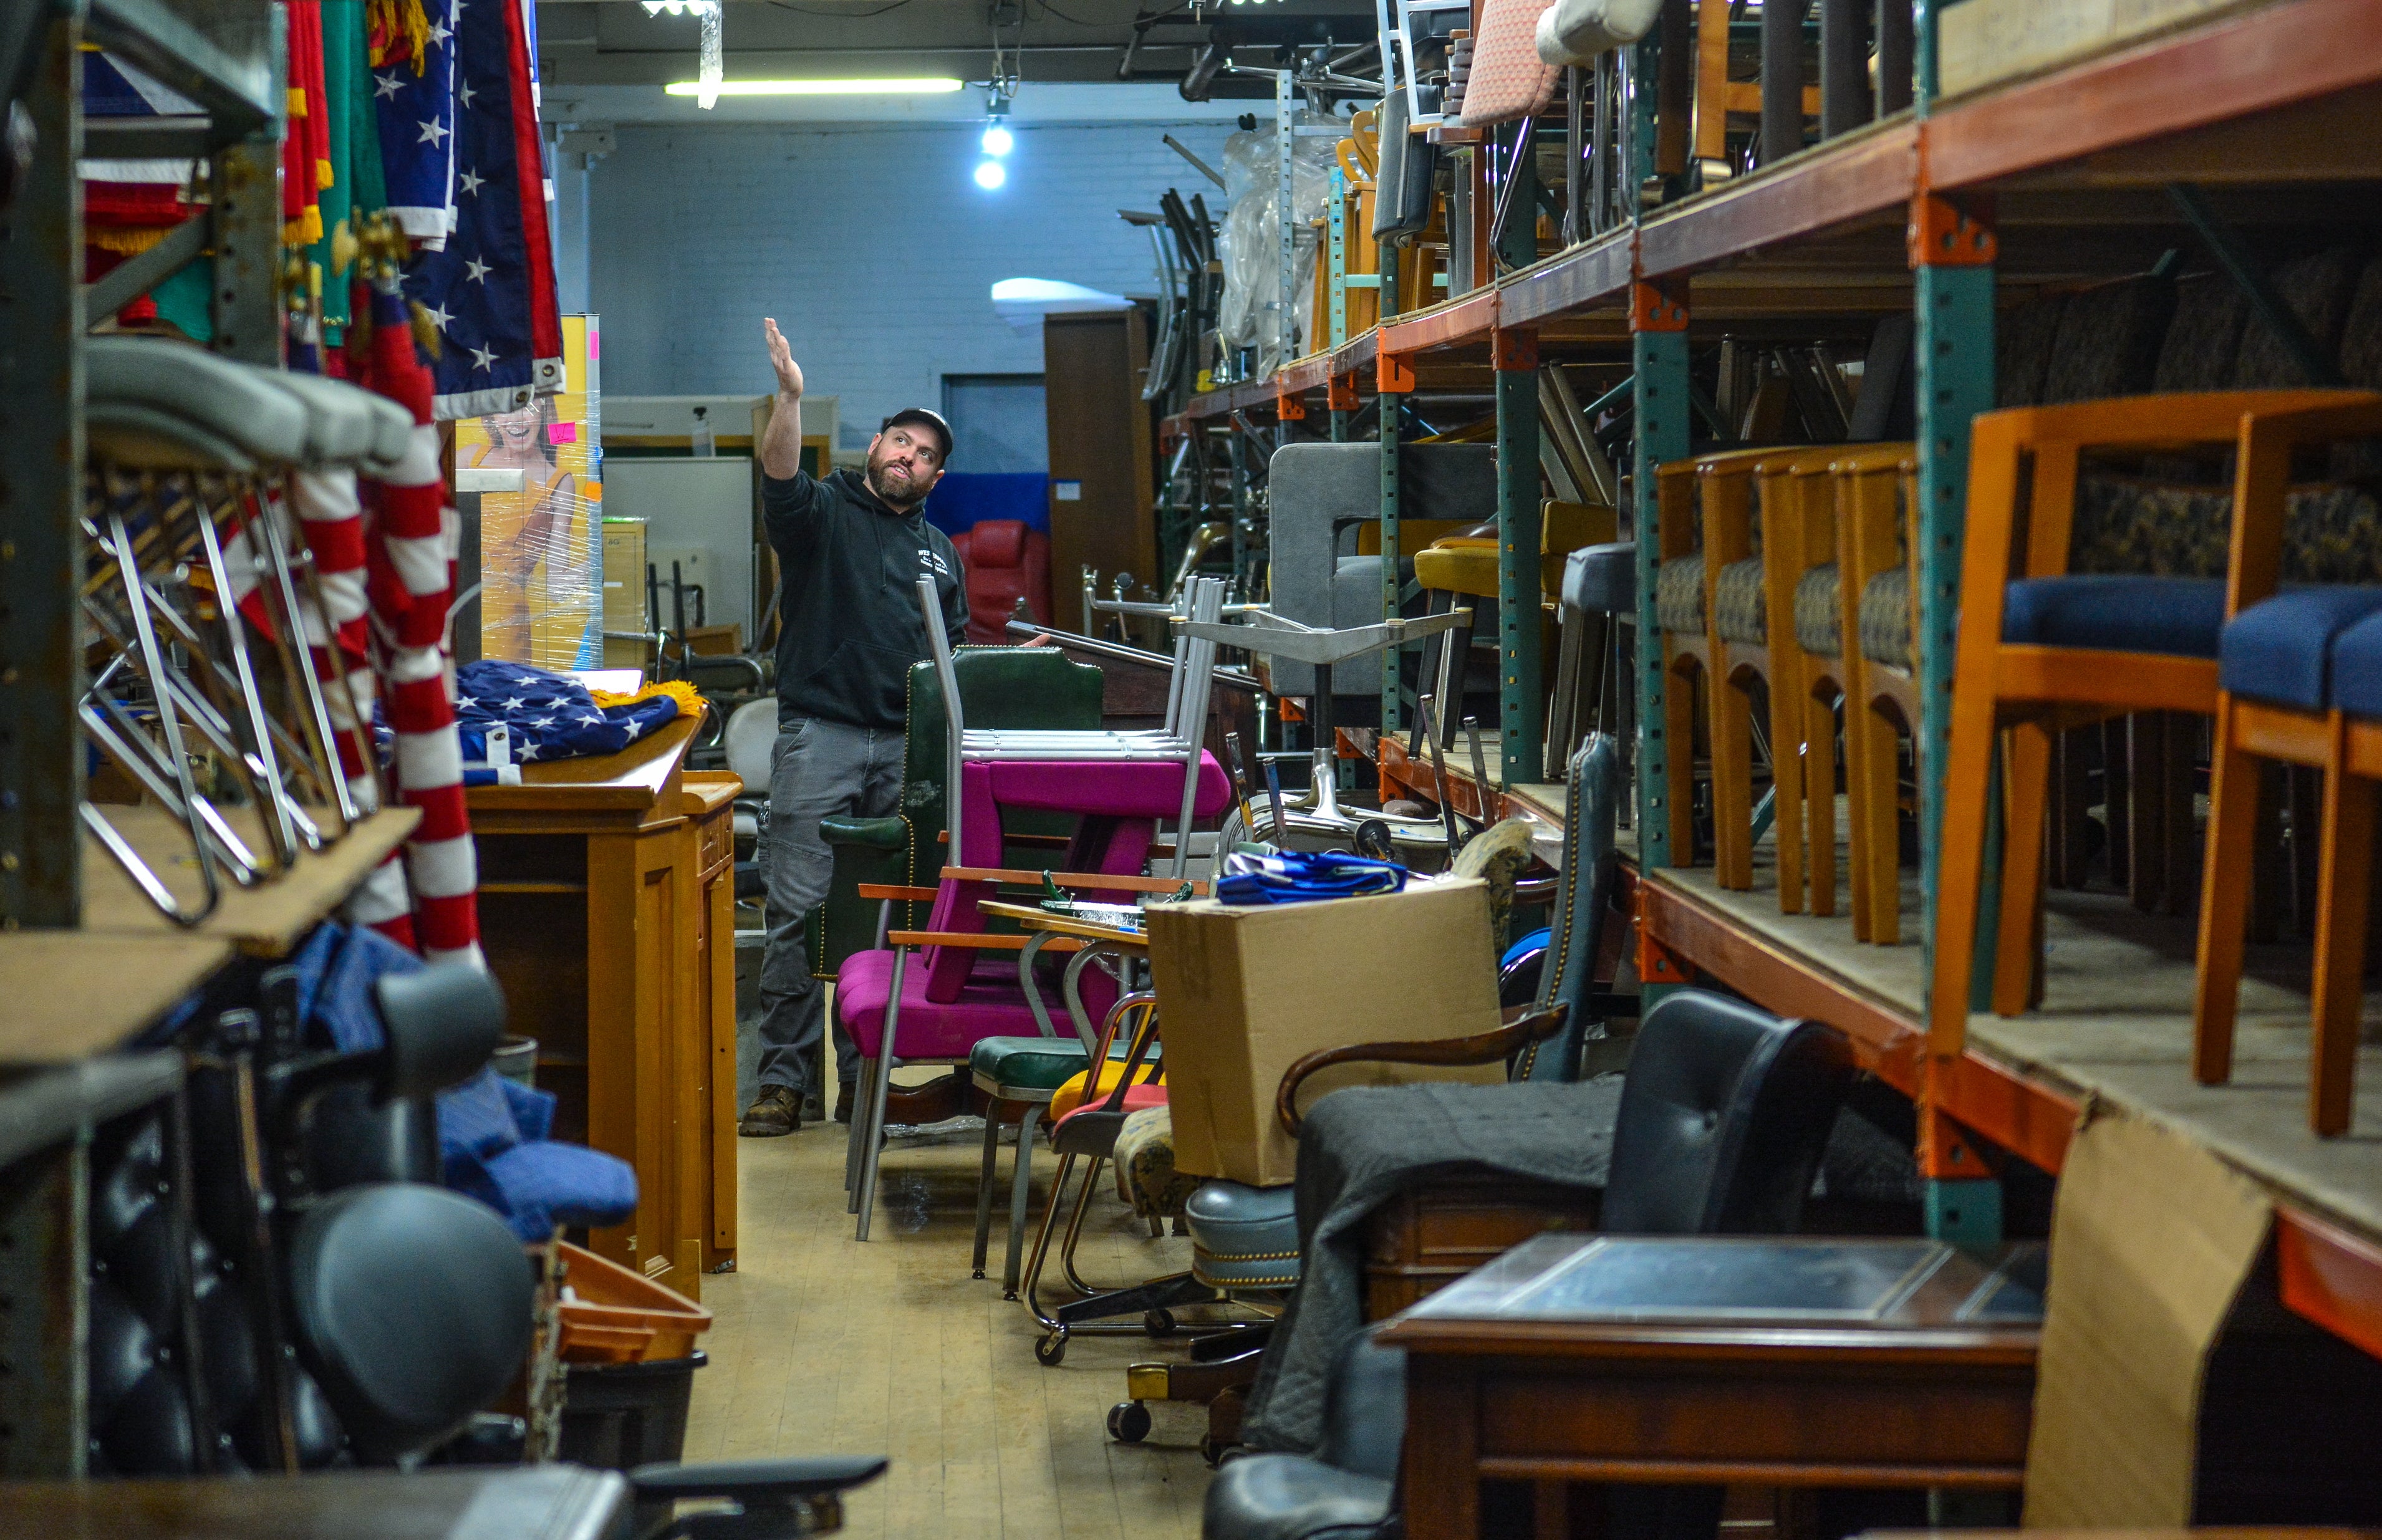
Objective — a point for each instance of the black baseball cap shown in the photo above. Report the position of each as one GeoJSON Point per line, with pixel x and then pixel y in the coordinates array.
{"type": "Point", "coordinates": [932, 419]}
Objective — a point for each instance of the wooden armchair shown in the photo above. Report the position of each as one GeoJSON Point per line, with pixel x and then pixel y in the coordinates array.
{"type": "Point", "coordinates": [1876, 489]}
{"type": "Point", "coordinates": [1758, 535]}
{"type": "Point", "coordinates": [2300, 678]}
{"type": "Point", "coordinates": [2043, 648]}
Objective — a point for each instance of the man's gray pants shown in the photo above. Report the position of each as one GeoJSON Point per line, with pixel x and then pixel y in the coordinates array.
{"type": "Point", "coordinates": [819, 769]}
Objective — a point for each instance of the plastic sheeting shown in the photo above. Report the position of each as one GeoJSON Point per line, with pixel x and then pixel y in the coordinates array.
{"type": "Point", "coordinates": [1251, 241]}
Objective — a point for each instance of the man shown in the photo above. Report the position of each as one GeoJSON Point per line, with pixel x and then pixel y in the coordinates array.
{"type": "Point", "coordinates": [851, 548]}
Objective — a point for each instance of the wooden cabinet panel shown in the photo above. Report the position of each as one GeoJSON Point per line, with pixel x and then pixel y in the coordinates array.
{"type": "Point", "coordinates": [608, 913]}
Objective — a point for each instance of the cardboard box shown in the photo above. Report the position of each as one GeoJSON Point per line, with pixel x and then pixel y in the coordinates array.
{"type": "Point", "coordinates": [1986, 43]}
{"type": "Point", "coordinates": [2152, 1240]}
{"type": "Point", "coordinates": [1245, 992]}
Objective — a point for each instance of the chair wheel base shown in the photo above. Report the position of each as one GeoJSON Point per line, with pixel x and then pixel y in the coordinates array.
{"type": "Point", "coordinates": [1050, 1350]}
{"type": "Point", "coordinates": [1129, 1422]}
{"type": "Point", "coordinates": [1214, 1450]}
{"type": "Point", "coordinates": [1160, 1323]}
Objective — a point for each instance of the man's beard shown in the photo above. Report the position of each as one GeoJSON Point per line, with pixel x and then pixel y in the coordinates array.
{"type": "Point", "coordinates": [879, 483]}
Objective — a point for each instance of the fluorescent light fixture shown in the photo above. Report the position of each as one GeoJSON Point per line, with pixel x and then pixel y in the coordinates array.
{"type": "Point", "coordinates": [917, 86]}
{"type": "Point", "coordinates": [998, 140]}
{"type": "Point", "coordinates": [990, 176]}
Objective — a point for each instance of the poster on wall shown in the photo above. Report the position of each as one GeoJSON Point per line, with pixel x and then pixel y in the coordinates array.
{"type": "Point", "coordinates": [541, 548]}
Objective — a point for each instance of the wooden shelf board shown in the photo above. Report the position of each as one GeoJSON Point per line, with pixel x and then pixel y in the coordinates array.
{"type": "Point", "coordinates": [267, 920]}
{"type": "Point", "coordinates": [2229, 69]}
{"type": "Point", "coordinates": [2116, 1029]}
{"type": "Point", "coordinates": [75, 994]}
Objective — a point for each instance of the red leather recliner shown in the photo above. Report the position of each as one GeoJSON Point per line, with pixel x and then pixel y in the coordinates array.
{"type": "Point", "coordinates": [1006, 562]}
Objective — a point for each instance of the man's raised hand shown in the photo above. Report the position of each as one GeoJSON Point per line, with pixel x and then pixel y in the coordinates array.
{"type": "Point", "coordinates": [782, 358]}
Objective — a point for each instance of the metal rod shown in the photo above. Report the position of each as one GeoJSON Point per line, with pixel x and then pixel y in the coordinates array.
{"type": "Point", "coordinates": [2250, 277]}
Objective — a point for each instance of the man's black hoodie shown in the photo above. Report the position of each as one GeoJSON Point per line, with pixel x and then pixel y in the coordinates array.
{"type": "Point", "coordinates": [849, 626]}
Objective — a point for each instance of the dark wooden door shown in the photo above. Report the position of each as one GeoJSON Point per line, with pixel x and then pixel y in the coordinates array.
{"type": "Point", "coordinates": [1102, 484]}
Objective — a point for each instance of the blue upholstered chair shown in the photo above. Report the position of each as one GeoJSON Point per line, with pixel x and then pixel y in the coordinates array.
{"type": "Point", "coordinates": [2300, 682]}
{"type": "Point", "coordinates": [2045, 647]}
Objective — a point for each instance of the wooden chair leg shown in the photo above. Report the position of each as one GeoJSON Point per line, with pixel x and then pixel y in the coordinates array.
{"type": "Point", "coordinates": [1881, 788]}
{"type": "Point", "coordinates": [2224, 900]}
{"type": "Point", "coordinates": [1732, 760]}
{"type": "Point", "coordinates": [2026, 781]}
{"type": "Point", "coordinates": [1679, 735]}
{"type": "Point", "coordinates": [1786, 772]}
{"type": "Point", "coordinates": [1968, 776]}
{"type": "Point", "coordinates": [2343, 891]}
{"type": "Point", "coordinates": [1858, 725]}
{"type": "Point", "coordinates": [1820, 800]}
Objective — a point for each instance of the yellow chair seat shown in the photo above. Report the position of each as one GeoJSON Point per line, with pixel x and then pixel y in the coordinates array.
{"type": "Point", "coordinates": [1070, 1096]}
{"type": "Point", "coordinates": [1460, 565]}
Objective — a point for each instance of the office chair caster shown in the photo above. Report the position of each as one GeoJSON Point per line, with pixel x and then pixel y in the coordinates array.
{"type": "Point", "coordinates": [1051, 1349]}
{"type": "Point", "coordinates": [1160, 1323]}
{"type": "Point", "coordinates": [1129, 1422]}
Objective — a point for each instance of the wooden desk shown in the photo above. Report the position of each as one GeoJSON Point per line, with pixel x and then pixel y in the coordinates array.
{"type": "Point", "coordinates": [1785, 1361]}
{"type": "Point", "coordinates": [548, 1503]}
{"type": "Point", "coordinates": [607, 911]}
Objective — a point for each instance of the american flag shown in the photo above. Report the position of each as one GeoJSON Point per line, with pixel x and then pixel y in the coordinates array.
{"type": "Point", "coordinates": [490, 291]}
{"type": "Point", "coordinates": [547, 716]}
{"type": "Point", "coordinates": [414, 100]}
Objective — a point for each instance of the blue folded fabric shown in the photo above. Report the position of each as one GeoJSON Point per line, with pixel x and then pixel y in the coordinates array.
{"type": "Point", "coordinates": [1299, 877]}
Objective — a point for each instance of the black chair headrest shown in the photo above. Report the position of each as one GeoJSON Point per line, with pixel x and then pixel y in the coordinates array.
{"type": "Point", "coordinates": [1724, 1116]}
{"type": "Point", "coordinates": [412, 1306]}
{"type": "Point", "coordinates": [443, 1022]}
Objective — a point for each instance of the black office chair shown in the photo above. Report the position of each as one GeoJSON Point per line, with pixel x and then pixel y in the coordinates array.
{"type": "Point", "coordinates": [1722, 1119]}
{"type": "Point", "coordinates": [408, 1307]}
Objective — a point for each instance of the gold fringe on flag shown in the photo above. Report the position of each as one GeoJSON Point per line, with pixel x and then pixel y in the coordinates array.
{"type": "Point", "coordinates": [394, 19]}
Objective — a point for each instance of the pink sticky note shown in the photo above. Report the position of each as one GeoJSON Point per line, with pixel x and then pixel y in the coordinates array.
{"type": "Point", "coordinates": [562, 432]}
{"type": "Point", "coordinates": [594, 340]}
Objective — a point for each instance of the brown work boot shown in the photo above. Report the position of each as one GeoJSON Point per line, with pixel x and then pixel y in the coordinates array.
{"type": "Point", "coordinates": [776, 1110]}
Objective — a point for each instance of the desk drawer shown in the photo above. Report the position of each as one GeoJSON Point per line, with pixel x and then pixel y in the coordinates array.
{"type": "Point", "coordinates": [714, 843]}
{"type": "Point", "coordinates": [1428, 1237]}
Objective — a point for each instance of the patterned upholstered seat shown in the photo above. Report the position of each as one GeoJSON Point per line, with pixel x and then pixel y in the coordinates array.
{"type": "Point", "coordinates": [1818, 612]}
{"type": "Point", "coordinates": [1679, 594]}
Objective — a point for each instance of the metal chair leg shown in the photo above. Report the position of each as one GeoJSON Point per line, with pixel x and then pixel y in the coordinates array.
{"type": "Point", "coordinates": [1075, 1228]}
{"type": "Point", "coordinates": [873, 1143]}
{"type": "Point", "coordinates": [852, 1132]}
{"type": "Point", "coordinates": [984, 1184]}
{"type": "Point", "coordinates": [1042, 1246]}
{"type": "Point", "coordinates": [1021, 1202]}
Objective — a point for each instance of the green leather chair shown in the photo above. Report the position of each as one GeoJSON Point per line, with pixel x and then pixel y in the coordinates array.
{"type": "Point", "coordinates": [1000, 687]}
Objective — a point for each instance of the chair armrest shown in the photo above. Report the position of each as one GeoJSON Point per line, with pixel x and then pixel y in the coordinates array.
{"type": "Point", "coordinates": [1523, 1026]}
{"type": "Point", "coordinates": [877, 834]}
{"type": "Point", "coordinates": [1074, 879]}
{"type": "Point", "coordinates": [979, 941]}
{"type": "Point", "coordinates": [889, 892]}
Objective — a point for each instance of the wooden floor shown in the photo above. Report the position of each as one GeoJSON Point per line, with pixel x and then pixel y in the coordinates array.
{"type": "Point", "coordinates": [823, 1345]}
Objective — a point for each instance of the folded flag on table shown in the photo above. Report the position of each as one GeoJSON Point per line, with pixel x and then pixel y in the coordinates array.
{"type": "Point", "coordinates": [547, 715]}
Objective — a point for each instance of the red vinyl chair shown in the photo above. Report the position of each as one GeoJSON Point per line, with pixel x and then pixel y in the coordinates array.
{"type": "Point", "coordinates": [1006, 562]}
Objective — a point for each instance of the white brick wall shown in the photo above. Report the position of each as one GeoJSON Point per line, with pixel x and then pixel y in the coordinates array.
{"type": "Point", "coordinates": [872, 248]}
